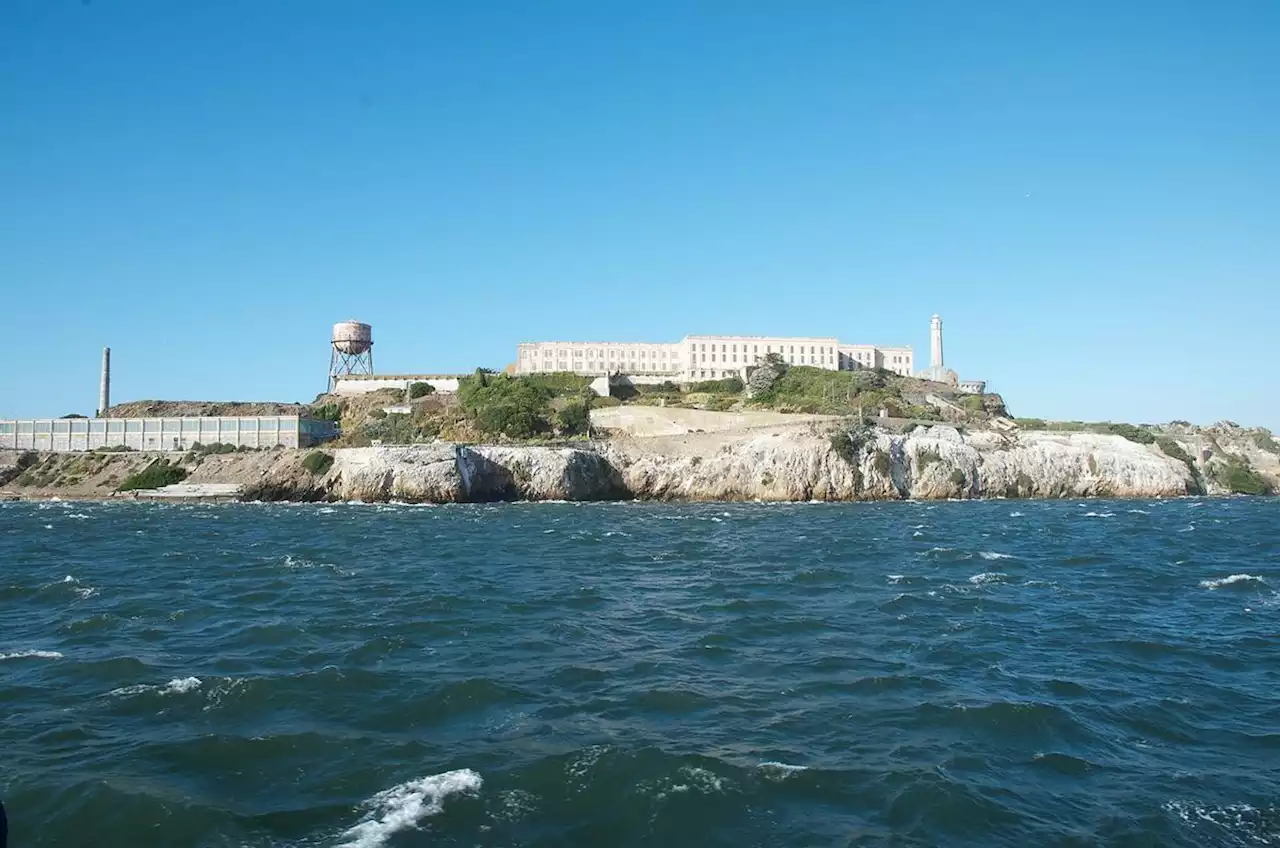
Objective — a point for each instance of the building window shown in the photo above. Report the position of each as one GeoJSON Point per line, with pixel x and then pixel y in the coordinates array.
{"type": "Point", "coordinates": [713, 357]}
{"type": "Point", "coordinates": [735, 349]}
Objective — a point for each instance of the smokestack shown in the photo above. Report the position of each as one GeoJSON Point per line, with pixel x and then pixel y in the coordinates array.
{"type": "Point", "coordinates": [104, 390]}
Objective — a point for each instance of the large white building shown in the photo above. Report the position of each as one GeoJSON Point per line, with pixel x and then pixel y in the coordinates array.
{"type": "Point", "coordinates": [705, 357]}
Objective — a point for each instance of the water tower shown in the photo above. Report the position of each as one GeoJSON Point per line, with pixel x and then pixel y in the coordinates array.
{"type": "Point", "coordinates": [352, 350]}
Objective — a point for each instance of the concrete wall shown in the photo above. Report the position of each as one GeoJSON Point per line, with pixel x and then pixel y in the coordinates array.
{"type": "Point", "coordinates": [359, 385]}
{"type": "Point", "coordinates": [162, 434]}
{"type": "Point", "coordinates": [668, 421]}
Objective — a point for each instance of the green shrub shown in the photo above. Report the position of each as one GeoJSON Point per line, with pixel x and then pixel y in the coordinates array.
{"type": "Point", "coordinates": [847, 442]}
{"type": "Point", "coordinates": [327, 412]}
{"type": "Point", "coordinates": [1235, 475]}
{"type": "Point", "coordinates": [213, 448]}
{"type": "Point", "coordinates": [1265, 441]}
{"type": "Point", "coordinates": [1132, 433]}
{"type": "Point", "coordinates": [927, 457]}
{"type": "Point", "coordinates": [377, 414]}
{"type": "Point", "coordinates": [1173, 450]}
{"type": "Point", "coordinates": [154, 476]}
{"type": "Point", "coordinates": [113, 449]}
{"type": "Point", "coordinates": [881, 463]}
{"type": "Point", "coordinates": [518, 408]}
{"type": "Point", "coordinates": [727, 386]}
{"type": "Point", "coordinates": [958, 478]}
{"type": "Point", "coordinates": [843, 446]}
{"type": "Point", "coordinates": [317, 462]}
{"type": "Point", "coordinates": [574, 418]}
{"type": "Point", "coordinates": [719, 403]}
{"type": "Point", "coordinates": [554, 383]}
{"type": "Point", "coordinates": [420, 389]}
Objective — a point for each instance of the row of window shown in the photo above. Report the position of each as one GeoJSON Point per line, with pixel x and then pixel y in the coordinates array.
{"type": "Point", "coordinates": [755, 348]}
{"type": "Point", "coordinates": [593, 353]}
{"type": "Point", "coordinates": [146, 425]}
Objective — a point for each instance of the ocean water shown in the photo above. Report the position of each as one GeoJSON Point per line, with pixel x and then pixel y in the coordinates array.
{"type": "Point", "coordinates": [995, 673]}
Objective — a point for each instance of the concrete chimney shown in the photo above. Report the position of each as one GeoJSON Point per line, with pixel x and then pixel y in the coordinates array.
{"type": "Point", "coordinates": [104, 390]}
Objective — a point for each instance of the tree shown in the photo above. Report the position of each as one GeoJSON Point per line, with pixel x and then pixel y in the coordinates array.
{"type": "Point", "coordinates": [763, 377]}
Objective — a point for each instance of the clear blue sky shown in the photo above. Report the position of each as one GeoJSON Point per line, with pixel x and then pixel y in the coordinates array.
{"type": "Point", "coordinates": [1086, 191]}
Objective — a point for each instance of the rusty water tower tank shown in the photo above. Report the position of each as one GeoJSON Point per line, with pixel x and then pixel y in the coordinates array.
{"type": "Point", "coordinates": [352, 337]}
{"type": "Point", "coordinates": [350, 351]}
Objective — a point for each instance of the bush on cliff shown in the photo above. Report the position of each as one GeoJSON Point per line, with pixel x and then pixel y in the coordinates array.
{"type": "Point", "coordinates": [517, 408]}
{"type": "Point", "coordinates": [1132, 433]}
{"type": "Point", "coordinates": [727, 386]}
{"type": "Point", "coordinates": [154, 476]}
{"type": "Point", "coordinates": [1236, 476]}
{"type": "Point", "coordinates": [420, 389]}
{"type": "Point", "coordinates": [327, 412]}
{"type": "Point", "coordinates": [1265, 441]}
{"type": "Point", "coordinates": [574, 418]}
{"type": "Point", "coordinates": [317, 462]}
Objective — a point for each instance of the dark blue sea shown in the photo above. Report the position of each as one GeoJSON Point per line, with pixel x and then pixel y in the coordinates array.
{"type": "Point", "coordinates": [1003, 673]}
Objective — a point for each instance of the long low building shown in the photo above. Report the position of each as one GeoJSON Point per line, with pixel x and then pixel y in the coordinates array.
{"type": "Point", "coordinates": [360, 384]}
{"type": "Point", "coordinates": [163, 434]}
{"type": "Point", "coordinates": [706, 357]}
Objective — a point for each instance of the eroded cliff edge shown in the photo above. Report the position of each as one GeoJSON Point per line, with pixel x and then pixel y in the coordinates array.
{"type": "Point", "coordinates": [768, 464]}
{"type": "Point", "coordinates": [813, 460]}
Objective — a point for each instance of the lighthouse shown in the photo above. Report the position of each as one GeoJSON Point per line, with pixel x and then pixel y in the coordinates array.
{"type": "Point", "coordinates": [936, 364]}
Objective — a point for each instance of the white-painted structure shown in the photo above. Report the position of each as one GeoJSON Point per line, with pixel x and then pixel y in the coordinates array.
{"type": "Point", "coordinates": [163, 434]}
{"type": "Point", "coordinates": [938, 371]}
{"type": "Point", "coordinates": [360, 384]}
{"type": "Point", "coordinates": [705, 357]}
{"type": "Point", "coordinates": [104, 388]}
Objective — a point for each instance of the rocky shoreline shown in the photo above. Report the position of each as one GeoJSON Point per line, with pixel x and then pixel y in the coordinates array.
{"type": "Point", "coordinates": [813, 461]}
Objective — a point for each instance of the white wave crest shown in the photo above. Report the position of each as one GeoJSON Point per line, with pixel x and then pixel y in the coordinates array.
{"type": "Point", "coordinates": [35, 655]}
{"type": "Point", "coordinates": [994, 555]}
{"type": "Point", "coordinates": [1015, 515]}
{"type": "Point", "coordinates": [1099, 515]}
{"type": "Point", "coordinates": [1233, 579]}
{"type": "Point", "coordinates": [987, 577]}
{"type": "Point", "coordinates": [894, 578]}
{"type": "Point", "coordinates": [1248, 823]}
{"type": "Point", "coordinates": [177, 686]}
{"type": "Point", "coordinates": [779, 771]}
{"type": "Point", "coordinates": [402, 807]}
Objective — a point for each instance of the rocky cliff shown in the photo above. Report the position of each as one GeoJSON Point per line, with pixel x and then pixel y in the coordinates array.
{"type": "Point", "coordinates": [769, 464]}
{"type": "Point", "coordinates": [815, 460]}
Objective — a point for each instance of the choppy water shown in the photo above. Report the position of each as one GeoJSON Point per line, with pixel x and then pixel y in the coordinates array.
{"type": "Point", "coordinates": [1000, 673]}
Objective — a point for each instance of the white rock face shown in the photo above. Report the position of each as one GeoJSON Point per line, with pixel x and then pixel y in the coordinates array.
{"type": "Point", "coordinates": [796, 463]}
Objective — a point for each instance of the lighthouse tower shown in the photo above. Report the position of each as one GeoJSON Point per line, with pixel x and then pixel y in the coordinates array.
{"type": "Point", "coordinates": [935, 345]}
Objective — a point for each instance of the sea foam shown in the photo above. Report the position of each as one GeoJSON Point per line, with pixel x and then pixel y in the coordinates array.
{"type": "Point", "coordinates": [177, 686]}
{"type": "Point", "coordinates": [1229, 581]}
{"type": "Point", "coordinates": [40, 655]}
{"type": "Point", "coordinates": [402, 807]}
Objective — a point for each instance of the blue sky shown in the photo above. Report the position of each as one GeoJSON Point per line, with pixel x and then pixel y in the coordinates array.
{"type": "Point", "coordinates": [1086, 191]}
